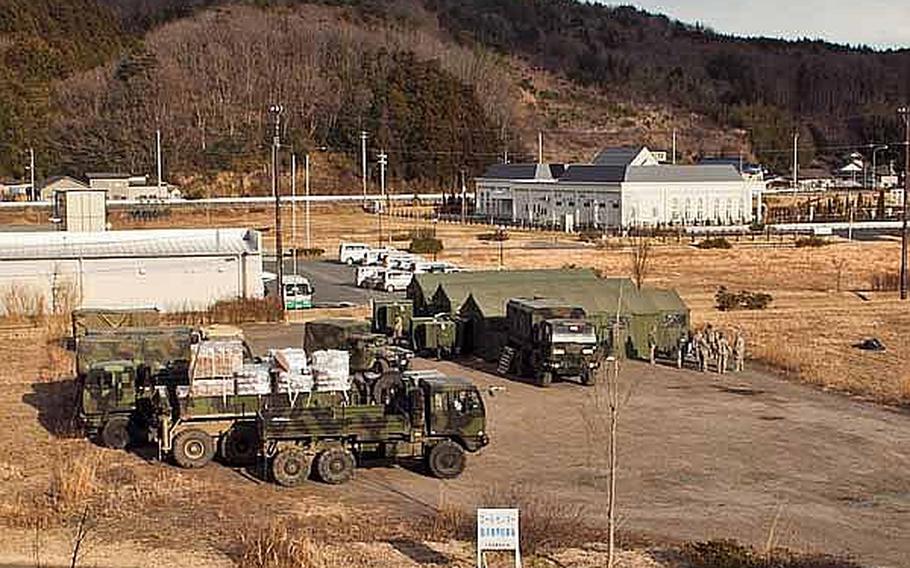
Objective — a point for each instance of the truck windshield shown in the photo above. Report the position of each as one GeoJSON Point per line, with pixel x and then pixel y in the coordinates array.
{"type": "Point", "coordinates": [573, 333]}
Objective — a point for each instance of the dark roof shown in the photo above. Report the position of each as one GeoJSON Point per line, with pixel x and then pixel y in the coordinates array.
{"type": "Point", "coordinates": [585, 173]}
{"type": "Point", "coordinates": [734, 161]}
{"type": "Point", "coordinates": [55, 179]}
{"type": "Point", "coordinates": [621, 156]}
{"type": "Point", "coordinates": [107, 175]}
{"type": "Point", "coordinates": [511, 171]}
{"type": "Point", "coordinates": [669, 174]}
{"type": "Point", "coordinates": [556, 170]}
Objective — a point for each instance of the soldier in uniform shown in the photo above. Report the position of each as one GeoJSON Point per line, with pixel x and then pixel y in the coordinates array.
{"type": "Point", "coordinates": [701, 351]}
{"type": "Point", "coordinates": [739, 351]}
{"type": "Point", "coordinates": [682, 349]}
{"type": "Point", "coordinates": [723, 353]}
{"type": "Point", "coordinates": [398, 328]}
{"type": "Point", "coordinates": [652, 345]}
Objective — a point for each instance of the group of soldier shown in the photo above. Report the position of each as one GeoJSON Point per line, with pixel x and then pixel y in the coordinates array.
{"type": "Point", "coordinates": [707, 346]}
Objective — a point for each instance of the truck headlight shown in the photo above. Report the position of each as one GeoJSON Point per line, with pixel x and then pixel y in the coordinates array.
{"type": "Point", "coordinates": [559, 351]}
{"type": "Point", "coordinates": [554, 364]}
{"type": "Point", "coordinates": [587, 351]}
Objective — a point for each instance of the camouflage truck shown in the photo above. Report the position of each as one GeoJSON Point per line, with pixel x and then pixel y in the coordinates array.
{"type": "Point", "coordinates": [116, 373]}
{"type": "Point", "coordinates": [433, 418]}
{"type": "Point", "coordinates": [434, 335]}
{"type": "Point", "coordinates": [551, 339]}
{"type": "Point", "coordinates": [371, 353]}
{"type": "Point", "coordinates": [387, 313]}
{"type": "Point", "coordinates": [92, 320]}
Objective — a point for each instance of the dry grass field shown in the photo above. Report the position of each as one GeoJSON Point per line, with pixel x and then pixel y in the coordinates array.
{"type": "Point", "coordinates": [808, 332]}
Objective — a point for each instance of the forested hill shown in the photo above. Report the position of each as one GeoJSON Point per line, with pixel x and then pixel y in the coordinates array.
{"type": "Point", "coordinates": [444, 85]}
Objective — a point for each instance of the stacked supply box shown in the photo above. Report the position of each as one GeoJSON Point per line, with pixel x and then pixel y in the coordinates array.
{"type": "Point", "coordinates": [331, 370]}
{"type": "Point", "coordinates": [292, 370]}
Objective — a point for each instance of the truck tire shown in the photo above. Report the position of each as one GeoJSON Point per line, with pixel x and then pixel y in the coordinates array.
{"type": "Point", "coordinates": [446, 460]}
{"type": "Point", "coordinates": [240, 445]}
{"type": "Point", "coordinates": [335, 465]}
{"type": "Point", "coordinates": [545, 379]}
{"type": "Point", "coordinates": [386, 386]}
{"type": "Point", "coordinates": [193, 449]}
{"type": "Point", "coordinates": [290, 467]}
{"type": "Point", "coordinates": [115, 433]}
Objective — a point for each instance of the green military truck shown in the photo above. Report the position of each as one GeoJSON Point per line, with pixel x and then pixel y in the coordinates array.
{"type": "Point", "coordinates": [117, 371]}
{"type": "Point", "coordinates": [389, 314]}
{"type": "Point", "coordinates": [550, 339]}
{"type": "Point", "coordinates": [371, 353]}
{"type": "Point", "coordinates": [433, 418]}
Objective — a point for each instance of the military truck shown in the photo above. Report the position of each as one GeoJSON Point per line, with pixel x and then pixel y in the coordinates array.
{"type": "Point", "coordinates": [551, 339]}
{"type": "Point", "coordinates": [386, 314]}
{"type": "Point", "coordinates": [433, 418]}
{"type": "Point", "coordinates": [372, 354]}
{"type": "Point", "coordinates": [117, 371]}
{"type": "Point", "coordinates": [93, 320]}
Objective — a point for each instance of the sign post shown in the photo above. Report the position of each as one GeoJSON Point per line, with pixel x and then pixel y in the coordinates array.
{"type": "Point", "coordinates": [497, 529]}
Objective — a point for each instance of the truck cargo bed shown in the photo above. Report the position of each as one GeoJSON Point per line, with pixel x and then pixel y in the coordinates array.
{"type": "Point", "coordinates": [365, 423]}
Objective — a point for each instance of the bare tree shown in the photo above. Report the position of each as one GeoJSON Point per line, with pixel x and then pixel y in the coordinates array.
{"type": "Point", "coordinates": [640, 258]}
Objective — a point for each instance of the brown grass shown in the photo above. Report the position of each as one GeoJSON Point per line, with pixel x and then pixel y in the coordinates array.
{"type": "Point", "coordinates": [281, 545]}
{"type": "Point", "coordinates": [240, 310]}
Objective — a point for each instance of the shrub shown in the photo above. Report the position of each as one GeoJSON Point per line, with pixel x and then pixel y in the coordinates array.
{"type": "Point", "coordinates": [240, 310]}
{"type": "Point", "coordinates": [715, 243]}
{"type": "Point", "coordinates": [885, 281]}
{"type": "Point", "coordinates": [591, 236]}
{"type": "Point", "coordinates": [730, 554]}
{"type": "Point", "coordinates": [495, 236]}
{"type": "Point", "coordinates": [425, 245]}
{"type": "Point", "coordinates": [311, 252]}
{"type": "Point", "coordinates": [812, 241]}
{"type": "Point", "coordinates": [281, 546]}
{"type": "Point", "coordinates": [742, 300]}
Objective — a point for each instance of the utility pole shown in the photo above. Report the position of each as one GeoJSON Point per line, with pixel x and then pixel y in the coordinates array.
{"type": "Point", "coordinates": [464, 195]}
{"type": "Point", "coordinates": [795, 160]}
{"type": "Point", "coordinates": [306, 182]}
{"type": "Point", "coordinates": [383, 161]}
{"type": "Point", "coordinates": [905, 113]}
{"type": "Point", "coordinates": [31, 173]}
{"type": "Point", "coordinates": [275, 111]}
{"type": "Point", "coordinates": [158, 157]}
{"type": "Point", "coordinates": [363, 163]}
{"type": "Point", "coordinates": [674, 146]}
{"type": "Point", "coordinates": [294, 210]}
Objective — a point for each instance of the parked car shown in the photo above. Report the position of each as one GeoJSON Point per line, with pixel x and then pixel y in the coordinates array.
{"type": "Point", "coordinates": [366, 276]}
{"type": "Point", "coordinates": [395, 280]}
{"type": "Point", "coordinates": [352, 253]}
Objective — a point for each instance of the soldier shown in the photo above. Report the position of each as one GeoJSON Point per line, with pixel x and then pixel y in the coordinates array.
{"type": "Point", "coordinates": [682, 348]}
{"type": "Point", "coordinates": [701, 351]}
{"type": "Point", "coordinates": [398, 328]}
{"type": "Point", "coordinates": [723, 353]}
{"type": "Point", "coordinates": [739, 351]}
{"type": "Point", "coordinates": [652, 344]}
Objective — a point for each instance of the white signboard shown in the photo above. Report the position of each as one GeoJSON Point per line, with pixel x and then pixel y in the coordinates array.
{"type": "Point", "coordinates": [497, 529]}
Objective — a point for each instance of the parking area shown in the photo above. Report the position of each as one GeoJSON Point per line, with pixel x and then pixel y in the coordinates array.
{"type": "Point", "coordinates": [700, 457]}
{"type": "Point", "coordinates": [333, 281]}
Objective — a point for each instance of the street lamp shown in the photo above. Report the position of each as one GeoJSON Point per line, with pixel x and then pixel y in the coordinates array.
{"type": "Point", "coordinates": [275, 112]}
{"type": "Point", "coordinates": [501, 236]}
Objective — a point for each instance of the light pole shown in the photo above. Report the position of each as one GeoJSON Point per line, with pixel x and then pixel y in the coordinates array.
{"type": "Point", "coordinates": [383, 161]}
{"type": "Point", "coordinates": [275, 111]}
{"type": "Point", "coordinates": [294, 211]}
{"type": "Point", "coordinates": [875, 151]}
{"type": "Point", "coordinates": [31, 173]}
{"type": "Point", "coordinates": [904, 112]}
{"type": "Point", "coordinates": [501, 237]}
{"type": "Point", "coordinates": [363, 163]}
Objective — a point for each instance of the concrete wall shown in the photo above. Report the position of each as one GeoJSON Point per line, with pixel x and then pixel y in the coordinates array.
{"type": "Point", "coordinates": [168, 283]}
{"type": "Point", "coordinates": [684, 203]}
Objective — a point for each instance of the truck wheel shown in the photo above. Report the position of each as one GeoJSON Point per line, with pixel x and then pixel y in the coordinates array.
{"type": "Point", "coordinates": [544, 379]}
{"type": "Point", "coordinates": [240, 445]}
{"type": "Point", "coordinates": [385, 387]}
{"type": "Point", "coordinates": [290, 467]}
{"type": "Point", "coordinates": [335, 465]}
{"type": "Point", "coordinates": [116, 433]}
{"type": "Point", "coordinates": [446, 460]}
{"type": "Point", "coordinates": [193, 449]}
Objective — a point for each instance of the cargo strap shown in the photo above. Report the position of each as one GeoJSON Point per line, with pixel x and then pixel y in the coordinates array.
{"type": "Point", "coordinates": [505, 360]}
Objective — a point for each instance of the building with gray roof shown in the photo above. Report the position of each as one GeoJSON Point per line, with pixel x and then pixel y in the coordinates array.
{"type": "Point", "coordinates": [622, 188]}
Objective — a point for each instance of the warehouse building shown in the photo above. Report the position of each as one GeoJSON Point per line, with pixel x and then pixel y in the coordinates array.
{"type": "Point", "coordinates": [171, 270]}
{"type": "Point", "coordinates": [621, 188]}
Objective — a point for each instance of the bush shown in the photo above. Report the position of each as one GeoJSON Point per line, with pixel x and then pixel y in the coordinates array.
{"type": "Point", "coordinates": [495, 236]}
{"type": "Point", "coordinates": [742, 300]}
{"type": "Point", "coordinates": [885, 281]}
{"type": "Point", "coordinates": [240, 310]}
{"type": "Point", "coordinates": [730, 554]}
{"type": "Point", "coordinates": [311, 252]}
{"type": "Point", "coordinates": [715, 243]}
{"type": "Point", "coordinates": [812, 241]}
{"type": "Point", "coordinates": [425, 245]}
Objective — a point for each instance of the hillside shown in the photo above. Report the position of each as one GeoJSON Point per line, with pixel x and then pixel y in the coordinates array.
{"type": "Point", "coordinates": [444, 86]}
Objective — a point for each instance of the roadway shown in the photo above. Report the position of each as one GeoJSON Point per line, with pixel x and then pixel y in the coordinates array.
{"type": "Point", "coordinates": [334, 282]}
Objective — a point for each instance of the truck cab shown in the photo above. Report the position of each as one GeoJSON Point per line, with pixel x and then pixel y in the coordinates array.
{"type": "Point", "coordinates": [552, 340]}
{"type": "Point", "coordinates": [450, 408]}
{"type": "Point", "coordinates": [108, 395]}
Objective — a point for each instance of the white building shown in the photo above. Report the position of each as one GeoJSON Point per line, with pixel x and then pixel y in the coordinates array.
{"type": "Point", "coordinates": [170, 269]}
{"type": "Point", "coordinates": [622, 188]}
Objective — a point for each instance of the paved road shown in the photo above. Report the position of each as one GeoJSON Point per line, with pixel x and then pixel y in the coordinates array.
{"type": "Point", "coordinates": [334, 282]}
{"type": "Point", "coordinates": [700, 457]}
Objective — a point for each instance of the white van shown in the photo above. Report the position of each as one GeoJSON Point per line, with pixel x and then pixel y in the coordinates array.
{"type": "Point", "coordinates": [395, 280]}
{"type": "Point", "coordinates": [350, 253]}
{"type": "Point", "coordinates": [376, 255]}
{"type": "Point", "coordinates": [367, 276]}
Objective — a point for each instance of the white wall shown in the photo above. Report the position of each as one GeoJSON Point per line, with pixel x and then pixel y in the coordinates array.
{"type": "Point", "coordinates": [169, 283]}
{"type": "Point", "coordinates": [684, 203]}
